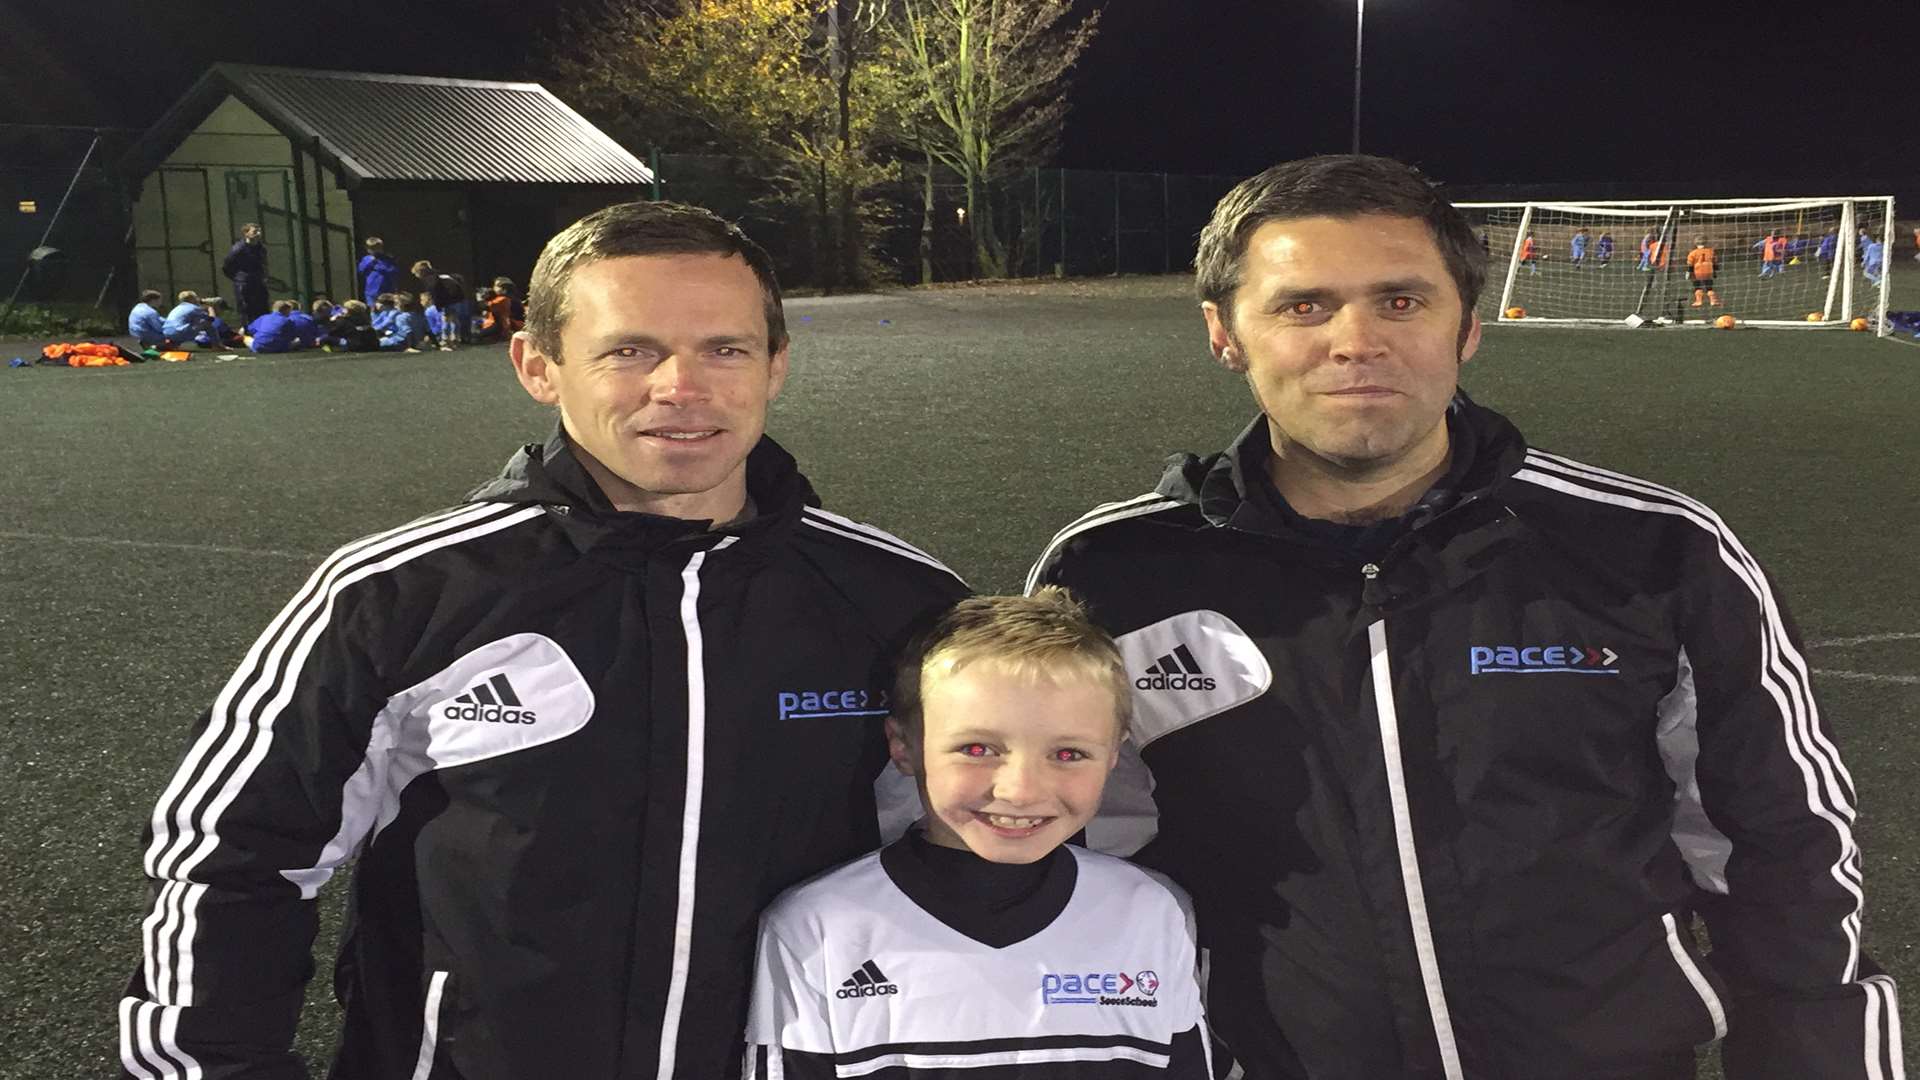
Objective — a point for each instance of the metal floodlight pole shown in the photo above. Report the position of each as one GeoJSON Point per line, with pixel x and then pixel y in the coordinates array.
{"type": "Point", "coordinates": [1359, 23]}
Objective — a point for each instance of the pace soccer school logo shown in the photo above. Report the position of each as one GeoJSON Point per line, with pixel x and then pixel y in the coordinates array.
{"type": "Point", "coordinates": [1100, 988]}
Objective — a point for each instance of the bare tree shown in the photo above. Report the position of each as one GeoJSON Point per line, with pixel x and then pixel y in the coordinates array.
{"type": "Point", "coordinates": [797, 85]}
{"type": "Point", "coordinates": [991, 81]}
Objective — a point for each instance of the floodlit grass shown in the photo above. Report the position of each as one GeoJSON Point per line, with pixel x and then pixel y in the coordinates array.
{"type": "Point", "coordinates": [157, 516]}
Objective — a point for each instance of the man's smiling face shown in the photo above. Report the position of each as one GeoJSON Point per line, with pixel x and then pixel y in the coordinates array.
{"type": "Point", "coordinates": [664, 379]}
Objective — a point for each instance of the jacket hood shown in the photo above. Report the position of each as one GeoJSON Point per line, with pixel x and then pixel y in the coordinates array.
{"type": "Point", "coordinates": [550, 474]}
{"type": "Point", "coordinates": [1218, 485]}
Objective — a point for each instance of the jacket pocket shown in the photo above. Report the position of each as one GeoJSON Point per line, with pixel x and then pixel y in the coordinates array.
{"type": "Point", "coordinates": [430, 1025]}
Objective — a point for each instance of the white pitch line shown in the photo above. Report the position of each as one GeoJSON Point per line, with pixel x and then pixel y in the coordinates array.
{"type": "Point", "coordinates": [1897, 340]}
{"type": "Point", "coordinates": [160, 545]}
{"type": "Point", "coordinates": [1869, 676]}
{"type": "Point", "coordinates": [1864, 639]}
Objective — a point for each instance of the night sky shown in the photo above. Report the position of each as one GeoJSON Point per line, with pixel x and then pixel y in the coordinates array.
{"type": "Point", "coordinates": [1712, 97]}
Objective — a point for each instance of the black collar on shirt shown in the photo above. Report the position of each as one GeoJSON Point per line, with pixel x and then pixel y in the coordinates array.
{"type": "Point", "coordinates": [551, 474]}
{"type": "Point", "coordinates": [995, 904]}
{"type": "Point", "coordinates": [1368, 541]}
{"type": "Point", "coordinates": [1226, 487]}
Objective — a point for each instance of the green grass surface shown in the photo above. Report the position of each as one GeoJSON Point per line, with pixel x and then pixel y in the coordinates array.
{"type": "Point", "coordinates": [157, 516]}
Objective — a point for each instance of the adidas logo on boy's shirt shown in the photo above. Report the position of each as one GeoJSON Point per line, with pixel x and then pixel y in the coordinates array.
{"type": "Point", "coordinates": [1177, 670]}
{"type": "Point", "coordinates": [492, 701]}
{"type": "Point", "coordinates": [867, 981]}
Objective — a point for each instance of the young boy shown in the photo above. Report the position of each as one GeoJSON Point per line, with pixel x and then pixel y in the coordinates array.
{"type": "Point", "coordinates": [187, 323]}
{"type": "Point", "coordinates": [981, 942]}
{"type": "Point", "coordinates": [378, 272]}
{"type": "Point", "coordinates": [450, 296]}
{"type": "Point", "coordinates": [352, 330]}
{"type": "Point", "coordinates": [384, 312]}
{"type": "Point", "coordinates": [307, 331]}
{"type": "Point", "coordinates": [436, 324]}
{"type": "Point", "coordinates": [145, 323]}
{"type": "Point", "coordinates": [274, 332]}
{"type": "Point", "coordinates": [407, 330]}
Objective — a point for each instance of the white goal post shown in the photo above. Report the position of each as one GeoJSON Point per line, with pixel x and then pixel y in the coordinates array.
{"type": "Point", "coordinates": [1789, 263]}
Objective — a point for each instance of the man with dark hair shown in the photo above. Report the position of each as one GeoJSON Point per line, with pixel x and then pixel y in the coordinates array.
{"type": "Point", "coordinates": [1449, 737]}
{"type": "Point", "coordinates": [579, 730]}
{"type": "Point", "coordinates": [246, 264]}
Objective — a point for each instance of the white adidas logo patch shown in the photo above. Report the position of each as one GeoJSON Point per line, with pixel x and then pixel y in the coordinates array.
{"type": "Point", "coordinates": [507, 695]}
{"type": "Point", "coordinates": [1188, 667]}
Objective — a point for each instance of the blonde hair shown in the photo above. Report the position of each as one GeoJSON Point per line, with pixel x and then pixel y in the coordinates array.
{"type": "Point", "coordinates": [1043, 637]}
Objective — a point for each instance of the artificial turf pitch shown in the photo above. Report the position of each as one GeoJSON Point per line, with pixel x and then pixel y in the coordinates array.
{"type": "Point", "coordinates": [157, 516]}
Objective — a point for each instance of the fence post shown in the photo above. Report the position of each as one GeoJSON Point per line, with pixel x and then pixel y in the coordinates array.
{"type": "Point", "coordinates": [1039, 224]}
{"type": "Point", "coordinates": [1116, 224]}
{"type": "Point", "coordinates": [1166, 228]}
{"type": "Point", "coordinates": [1060, 268]}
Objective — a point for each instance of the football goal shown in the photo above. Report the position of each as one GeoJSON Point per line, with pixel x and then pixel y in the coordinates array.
{"type": "Point", "coordinates": [1809, 263]}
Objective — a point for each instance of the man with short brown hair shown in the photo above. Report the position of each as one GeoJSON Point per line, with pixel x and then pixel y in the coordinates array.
{"type": "Point", "coordinates": [578, 729]}
{"type": "Point", "coordinates": [1449, 736]}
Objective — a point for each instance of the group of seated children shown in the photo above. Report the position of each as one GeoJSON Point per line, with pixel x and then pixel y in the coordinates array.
{"type": "Point", "coordinates": [192, 323]}
{"type": "Point", "coordinates": [397, 322]}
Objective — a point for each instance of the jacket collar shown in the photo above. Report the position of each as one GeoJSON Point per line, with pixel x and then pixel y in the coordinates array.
{"type": "Point", "coordinates": [551, 474]}
{"type": "Point", "coordinates": [1222, 486]}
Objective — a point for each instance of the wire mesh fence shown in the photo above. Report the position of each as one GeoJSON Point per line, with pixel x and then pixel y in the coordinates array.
{"type": "Point", "coordinates": [1042, 221]}
{"type": "Point", "coordinates": [65, 226]}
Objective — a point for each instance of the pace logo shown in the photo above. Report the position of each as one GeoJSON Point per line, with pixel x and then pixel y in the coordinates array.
{"type": "Point", "coordinates": [816, 704]}
{"type": "Point", "coordinates": [1542, 659]}
{"type": "Point", "coordinates": [1100, 988]}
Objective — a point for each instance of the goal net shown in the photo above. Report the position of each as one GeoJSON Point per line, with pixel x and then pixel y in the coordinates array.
{"type": "Point", "coordinates": [1801, 263]}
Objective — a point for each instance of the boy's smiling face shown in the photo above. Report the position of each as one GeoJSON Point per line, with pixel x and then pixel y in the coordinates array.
{"type": "Point", "coordinates": [1009, 767]}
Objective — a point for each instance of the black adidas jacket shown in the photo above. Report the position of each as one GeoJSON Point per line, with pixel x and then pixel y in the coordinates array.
{"type": "Point", "coordinates": [1445, 813]}
{"type": "Point", "coordinates": [576, 752]}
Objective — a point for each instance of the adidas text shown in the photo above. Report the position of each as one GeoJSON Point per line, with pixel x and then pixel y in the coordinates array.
{"type": "Point", "coordinates": [492, 714]}
{"type": "Point", "coordinates": [866, 991]}
{"type": "Point", "coordinates": [1159, 681]}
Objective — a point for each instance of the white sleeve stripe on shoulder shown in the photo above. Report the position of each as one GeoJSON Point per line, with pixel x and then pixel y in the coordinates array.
{"type": "Point", "coordinates": [1099, 512]}
{"type": "Point", "coordinates": [1780, 660]}
{"type": "Point", "coordinates": [862, 527]}
{"type": "Point", "coordinates": [251, 667]}
{"type": "Point", "coordinates": [849, 534]}
{"type": "Point", "coordinates": [1825, 796]}
{"type": "Point", "coordinates": [1798, 670]}
{"type": "Point", "coordinates": [1105, 514]}
{"type": "Point", "coordinates": [243, 732]}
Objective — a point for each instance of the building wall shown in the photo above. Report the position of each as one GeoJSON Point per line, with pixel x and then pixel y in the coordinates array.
{"type": "Point", "coordinates": [234, 168]}
{"type": "Point", "coordinates": [482, 232]}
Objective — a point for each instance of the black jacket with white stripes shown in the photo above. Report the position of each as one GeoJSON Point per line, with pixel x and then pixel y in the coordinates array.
{"type": "Point", "coordinates": [575, 750]}
{"type": "Point", "coordinates": [1445, 811]}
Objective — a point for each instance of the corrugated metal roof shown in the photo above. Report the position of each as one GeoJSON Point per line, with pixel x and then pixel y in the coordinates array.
{"type": "Point", "coordinates": [415, 128]}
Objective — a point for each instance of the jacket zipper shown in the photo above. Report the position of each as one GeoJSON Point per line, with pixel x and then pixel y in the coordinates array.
{"type": "Point", "coordinates": [430, 1027]}
{"type": "Point", "coordinates": [1403, 838]}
